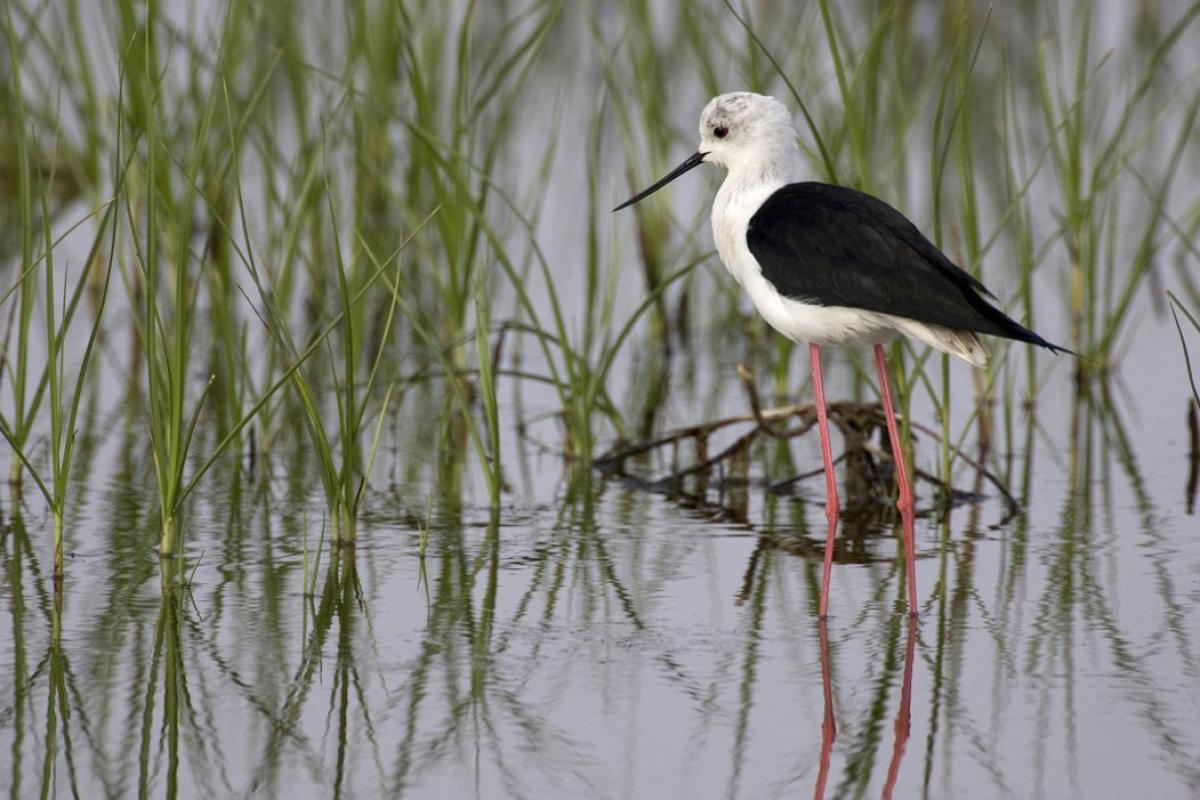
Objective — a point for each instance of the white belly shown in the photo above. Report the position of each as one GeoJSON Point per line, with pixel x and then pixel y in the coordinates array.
{"type": "Point", "coordinates": [805, 322]}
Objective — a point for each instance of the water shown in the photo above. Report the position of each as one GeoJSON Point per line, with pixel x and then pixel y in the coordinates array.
{"type": "Point", "coordinates": [597, 639]}
{"type": "Point", "coordinates": [620, 645]}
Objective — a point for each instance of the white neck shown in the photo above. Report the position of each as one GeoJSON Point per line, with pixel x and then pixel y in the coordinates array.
{"type": "Point", "coordinates": [778, 168]}
{"type": "Point", "coordinates": [739, 197]}
{"type": "Point", "coordinates": [755, 173]}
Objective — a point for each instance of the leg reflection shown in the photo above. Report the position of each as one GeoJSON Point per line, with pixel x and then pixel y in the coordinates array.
{"type": "Point", "coordinates": [904, 715]}
{"type": "Point", "coordinates": [829, 724]}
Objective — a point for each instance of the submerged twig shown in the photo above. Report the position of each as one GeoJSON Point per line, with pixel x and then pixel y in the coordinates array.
{"type": "Point", "coordinates": [1193, 481]}
{"type": "Point", "coordinates": [857, 422]}
{"type": "Point", "coordinates": [807, 412]}
{"type": "Point", "coordinates": [1013, 503]}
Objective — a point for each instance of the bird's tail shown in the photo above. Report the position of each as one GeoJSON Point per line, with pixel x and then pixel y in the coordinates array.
{"type": "Point", "coordinates": [964, 344]}
{"type": "Point", "coordinates": [1009, 328]}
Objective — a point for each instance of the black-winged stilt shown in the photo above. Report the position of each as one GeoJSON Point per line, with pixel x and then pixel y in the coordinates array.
{"type": "Point", "coordinates": [830, 265]}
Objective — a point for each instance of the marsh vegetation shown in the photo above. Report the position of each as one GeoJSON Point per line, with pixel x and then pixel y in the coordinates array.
{"type": "Point", "coordinates": [352, 445]}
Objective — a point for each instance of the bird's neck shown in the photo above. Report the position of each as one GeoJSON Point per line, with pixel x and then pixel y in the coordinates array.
{"type": "Point", "coordinates": [748, 183]}
{"type": "Point", "coordinates": [777, 167]}
{"type": "Point", "coordinates": [751, 181]}
{"type": "Point", "coordinates": [738, 199]}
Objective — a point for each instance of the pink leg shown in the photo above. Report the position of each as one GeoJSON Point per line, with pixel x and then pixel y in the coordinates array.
{"type": "Point", "coordinates": [905, 504]}
{"type": "Point", "coordinates": [832, 507]}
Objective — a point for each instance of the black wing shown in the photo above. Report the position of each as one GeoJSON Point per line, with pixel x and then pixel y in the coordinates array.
{"type": "Point", "coordinates": [834, 246]}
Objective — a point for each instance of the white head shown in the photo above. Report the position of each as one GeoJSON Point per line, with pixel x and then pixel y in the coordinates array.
{"type": "Point", "coordinates": [749, 134]}
{"type": "Point", "coordinates": [745, 131]}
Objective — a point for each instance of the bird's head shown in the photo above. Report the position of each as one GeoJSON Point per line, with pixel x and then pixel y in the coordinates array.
{"type": "Point", "coordinates": [749, 134]}
{"type": "Point", "coordinates": [743, 130]}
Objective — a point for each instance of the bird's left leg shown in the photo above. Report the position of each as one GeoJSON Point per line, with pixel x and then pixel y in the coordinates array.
{"type": "Point", "coordinates": [905, 503]}
{"type": "Point", "coordinates": [831, 497]}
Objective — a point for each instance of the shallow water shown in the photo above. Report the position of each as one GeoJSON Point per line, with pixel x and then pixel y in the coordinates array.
{"type": "Point", "coordinates": [608, 642]}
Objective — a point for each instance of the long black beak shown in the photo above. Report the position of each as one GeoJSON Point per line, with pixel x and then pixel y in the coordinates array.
{"type": "Point", "coordinates": [693, 161]}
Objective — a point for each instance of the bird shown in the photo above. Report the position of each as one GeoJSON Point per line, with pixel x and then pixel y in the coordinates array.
{"type": "Point", "coordinates": [830, 265]}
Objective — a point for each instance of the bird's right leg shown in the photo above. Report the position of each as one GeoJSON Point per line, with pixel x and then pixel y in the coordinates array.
{"type": "Point", "coordinates": [905, 503]}
{"type": "Point", "coordinates": [832, 507]}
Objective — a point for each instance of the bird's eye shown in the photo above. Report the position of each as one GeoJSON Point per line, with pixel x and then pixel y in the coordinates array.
{"type": "Point", "coordinates": [720, 131]}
